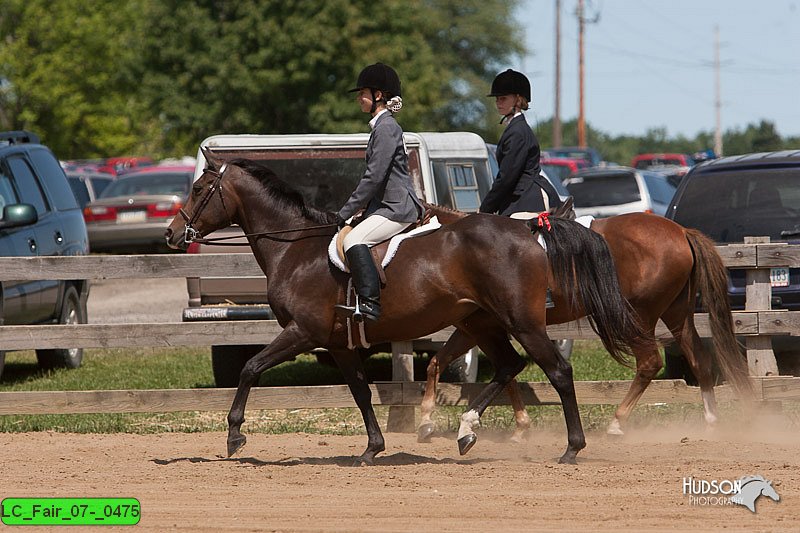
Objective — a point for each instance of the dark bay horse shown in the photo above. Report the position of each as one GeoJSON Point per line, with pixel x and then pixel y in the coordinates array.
{"type": "Point", "coordinates": [484, 274]}
{"type": "Point", "coordinates": [661, 266]}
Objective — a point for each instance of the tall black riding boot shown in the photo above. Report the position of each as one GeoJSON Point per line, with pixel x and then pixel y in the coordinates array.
{"type": "Point", "coordinates": [366, 282]}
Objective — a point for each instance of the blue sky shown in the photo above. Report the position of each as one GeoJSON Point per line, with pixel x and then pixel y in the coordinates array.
{"type": "Point", "coordinates": [649, 63]}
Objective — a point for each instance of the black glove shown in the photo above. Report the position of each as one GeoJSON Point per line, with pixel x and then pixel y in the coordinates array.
{"type": "Point", "coordinates": [340, 222]}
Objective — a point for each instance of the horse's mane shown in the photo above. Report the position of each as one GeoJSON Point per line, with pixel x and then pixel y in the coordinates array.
{"type": "Point", "coordinates": [286, 195]}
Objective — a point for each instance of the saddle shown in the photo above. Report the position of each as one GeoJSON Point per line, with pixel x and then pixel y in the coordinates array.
{"type": "Point", "coordinates": [383, 252]}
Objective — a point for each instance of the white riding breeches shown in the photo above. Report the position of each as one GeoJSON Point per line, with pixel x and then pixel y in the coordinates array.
{"type": "Point", "coordinates": [372, 230]}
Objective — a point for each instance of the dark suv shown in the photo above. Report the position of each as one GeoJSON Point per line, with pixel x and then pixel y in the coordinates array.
{"type": "Point", "coordinates": [40, 216]}
{"type": "Point", "coordinates": [750, 195]}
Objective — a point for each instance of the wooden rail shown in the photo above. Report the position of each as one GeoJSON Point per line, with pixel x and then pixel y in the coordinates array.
{"type": "Point", "coordinates": [395, 394]}
{"type": "Point", "coordinates": [757, 323]}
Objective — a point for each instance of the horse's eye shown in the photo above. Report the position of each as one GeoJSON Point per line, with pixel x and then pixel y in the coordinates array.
{"type": "Point", "coordinates": [197, 188]}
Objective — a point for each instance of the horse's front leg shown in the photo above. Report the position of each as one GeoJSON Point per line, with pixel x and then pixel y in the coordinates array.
{"type": "Point", "coordinates": [458, 344]}
{"type": "Point", "coordinates": [352, 368]}
{"type": "Point", "coordinates": [288, 344]}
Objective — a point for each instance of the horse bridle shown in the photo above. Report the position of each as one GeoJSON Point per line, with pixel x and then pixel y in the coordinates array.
{"type": "Point", "coordinates": [191, 235]}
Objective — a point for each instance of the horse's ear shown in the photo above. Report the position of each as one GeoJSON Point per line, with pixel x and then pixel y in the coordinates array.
{"type": "Point", "coordinates": [213, 162]}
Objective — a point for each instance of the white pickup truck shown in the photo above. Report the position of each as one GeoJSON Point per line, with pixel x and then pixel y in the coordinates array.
{"type": "Point", "coordinates": [454, 169]}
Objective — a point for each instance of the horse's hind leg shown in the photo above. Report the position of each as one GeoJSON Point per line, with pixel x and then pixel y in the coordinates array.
{"type": "Point", "coordinates": [352, 368]}
{"type": "Point", "coordinates": [648, 364]}
{"type": "Point", "coordinates": [559, 372]}
{"type": "Point", "coordinates": [288, 344]}
{"type": "Point", "coordinates": [699, 359]}
{"type": "Point", "coordinates": [494, 342]}
{"type": "Point", "coordinates": [458, 344]}
{"type": "Point", "coordinates": [523, 421]}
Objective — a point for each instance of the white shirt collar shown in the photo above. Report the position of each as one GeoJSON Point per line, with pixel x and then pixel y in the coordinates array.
{"type": "Point", "coordinates": [375, 118]}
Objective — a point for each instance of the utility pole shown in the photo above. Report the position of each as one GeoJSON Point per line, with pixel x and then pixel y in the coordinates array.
{"type": "Point", "coordinates": [581, 71]}
{"type": "Point", "coordinates": [717, 96]}
{"type": "Point", "coordinates": [557, 113]}
{"type": "Point", "coordinates": [581, 116]}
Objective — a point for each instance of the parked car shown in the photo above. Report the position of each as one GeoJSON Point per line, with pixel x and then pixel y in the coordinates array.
{"type": "Point", "coordinates": [87, 186]}
{"type": "Point", "coordinates": [748, 195]}
{"type": "Point", "coordinates": [590, 156]}
{"type": "Point", "coordinates": [609, 191]}
{"type": "Point", "coordinates": [121, 165]}
{"type": "Point", "coordinates": [133, 211]}
{"type": "Point", "coordinates": [645, 161]}
{"type": "Point", "coordinates": [39, 216]}
{"type": "Point", "coordinates": [561, 168]}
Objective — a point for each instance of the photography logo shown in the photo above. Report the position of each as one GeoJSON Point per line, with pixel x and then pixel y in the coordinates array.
{"type": "Point", "coordinates": [744, 491]}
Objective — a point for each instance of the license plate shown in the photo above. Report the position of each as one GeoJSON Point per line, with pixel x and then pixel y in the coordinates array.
{"type": "Point", "coordinates": [127, 217]}
{"type": "Point", "coordinates": [779, 277]}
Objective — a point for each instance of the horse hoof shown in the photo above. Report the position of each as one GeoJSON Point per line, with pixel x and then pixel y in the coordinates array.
{"type": "Point", "coordinates": [568, 459]}
{"type": "Point", "coordinates": [236, 444]}
{"type": "Point", "coordinates": [466, 443]}
{"type": "Point", "coordinates": [363, 461]}
{"type": "Point", "coordinates": [424, 432]}
{"type": "Point", "coordinates": [614, 428]}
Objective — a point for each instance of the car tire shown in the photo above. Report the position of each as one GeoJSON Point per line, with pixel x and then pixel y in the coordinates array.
{"type": "Point", "coordinates": [227, 363]}
{"type": "Point", "coordinates": [564, 347]}
{"type": "Point", "coordinates": [73, 311]}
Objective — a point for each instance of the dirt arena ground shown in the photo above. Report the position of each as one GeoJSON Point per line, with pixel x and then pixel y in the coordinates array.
{"type": "Point", "coordinates": [306, 483]}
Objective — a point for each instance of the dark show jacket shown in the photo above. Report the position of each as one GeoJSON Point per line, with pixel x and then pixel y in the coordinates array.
{"type": "Point", "coordinates": [386, 188]}
{"type": "Point", "coordinates": [518, 157]}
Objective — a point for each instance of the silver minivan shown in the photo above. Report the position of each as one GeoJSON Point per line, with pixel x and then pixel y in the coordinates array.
{"type": "Point", "coordinates": [609, 191]}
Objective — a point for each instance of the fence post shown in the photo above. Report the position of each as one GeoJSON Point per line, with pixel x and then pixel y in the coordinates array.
{"type": "Point", "coordinates": [401, 418]}
{"type": "Point", "coordinates": [758, 297]}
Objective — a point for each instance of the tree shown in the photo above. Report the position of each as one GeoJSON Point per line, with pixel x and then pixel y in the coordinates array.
{"type": "Point", "coordinates": [272, 66]}
{"type": "Point", "coordinates": [62, 74]}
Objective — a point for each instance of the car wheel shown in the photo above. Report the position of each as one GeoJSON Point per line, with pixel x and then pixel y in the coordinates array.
{"type": "Point", "coordinates": [73, 311]}
{"type": "Point", "coordinates": [227, 363]}
{"type": "Point", "coordinates": [564, 347]}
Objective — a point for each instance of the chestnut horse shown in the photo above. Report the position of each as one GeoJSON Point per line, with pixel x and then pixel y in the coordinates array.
{"type": "Point", "coordinates": [661, 266]}
{"type": "Point", "coordinates": [484, 274]}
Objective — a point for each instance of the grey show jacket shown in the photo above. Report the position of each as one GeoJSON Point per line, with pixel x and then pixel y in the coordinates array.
{"type": "Point", "coordinates": [386, 188]}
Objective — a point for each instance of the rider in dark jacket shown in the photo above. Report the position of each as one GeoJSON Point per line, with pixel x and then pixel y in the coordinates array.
{"type": "Point", "coordinates": [518, 186]}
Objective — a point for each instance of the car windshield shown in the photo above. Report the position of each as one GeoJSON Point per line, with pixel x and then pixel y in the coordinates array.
{"type": "Point", "coordinates": [167, 183]}
{"type": "Point", "coordinates": [730, 206]}
{"type": "Point", "coordinates": [605, 189]}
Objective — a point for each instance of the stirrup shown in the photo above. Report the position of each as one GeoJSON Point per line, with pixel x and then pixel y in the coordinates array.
{"type": "Point", "coordinates": [549, 304]}
{"type": "Point", "coordinates": [353, 313]}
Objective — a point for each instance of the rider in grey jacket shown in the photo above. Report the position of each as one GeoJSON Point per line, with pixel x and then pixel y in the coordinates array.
{"type": "Point", "coordinates": [385, 192]}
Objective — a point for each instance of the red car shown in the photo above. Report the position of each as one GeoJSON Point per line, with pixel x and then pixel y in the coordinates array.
{"type": "Point", "coordinates": [645, 161]}
{"type": "Point", "coordinates": [133, 211]}
{"type": "Point", "coordinates": [561, 168]}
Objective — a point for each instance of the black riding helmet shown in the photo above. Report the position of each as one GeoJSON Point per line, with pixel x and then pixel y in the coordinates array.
{"type": "Point", "coordinates": [379, 77]}
{"type": "Point", "coordinates": [511, 82]}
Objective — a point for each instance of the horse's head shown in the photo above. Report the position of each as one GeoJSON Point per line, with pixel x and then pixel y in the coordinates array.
{"type": "Point", "coordinates": [210, 206]}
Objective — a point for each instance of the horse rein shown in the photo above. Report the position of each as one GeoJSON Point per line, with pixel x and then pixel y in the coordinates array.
{"type": "Point", "coordinates": [192, 235]}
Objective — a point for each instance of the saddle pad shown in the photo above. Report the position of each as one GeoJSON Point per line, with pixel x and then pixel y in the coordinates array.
{"type": "Point", "coordinates": [394, 243]}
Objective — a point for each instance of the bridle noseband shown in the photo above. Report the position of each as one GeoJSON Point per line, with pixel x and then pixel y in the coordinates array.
{"type": "Point", "coordinates": [190, 234]}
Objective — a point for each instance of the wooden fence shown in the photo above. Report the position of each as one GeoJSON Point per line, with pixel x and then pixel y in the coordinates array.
{"type": "Point", "coordinates": [757, 323]}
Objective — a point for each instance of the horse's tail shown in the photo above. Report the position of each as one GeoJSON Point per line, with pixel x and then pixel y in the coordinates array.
{"type": "Point", "coordinates": [584, 270]}
{"type": "Point", "coordinates": [710, 279]}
